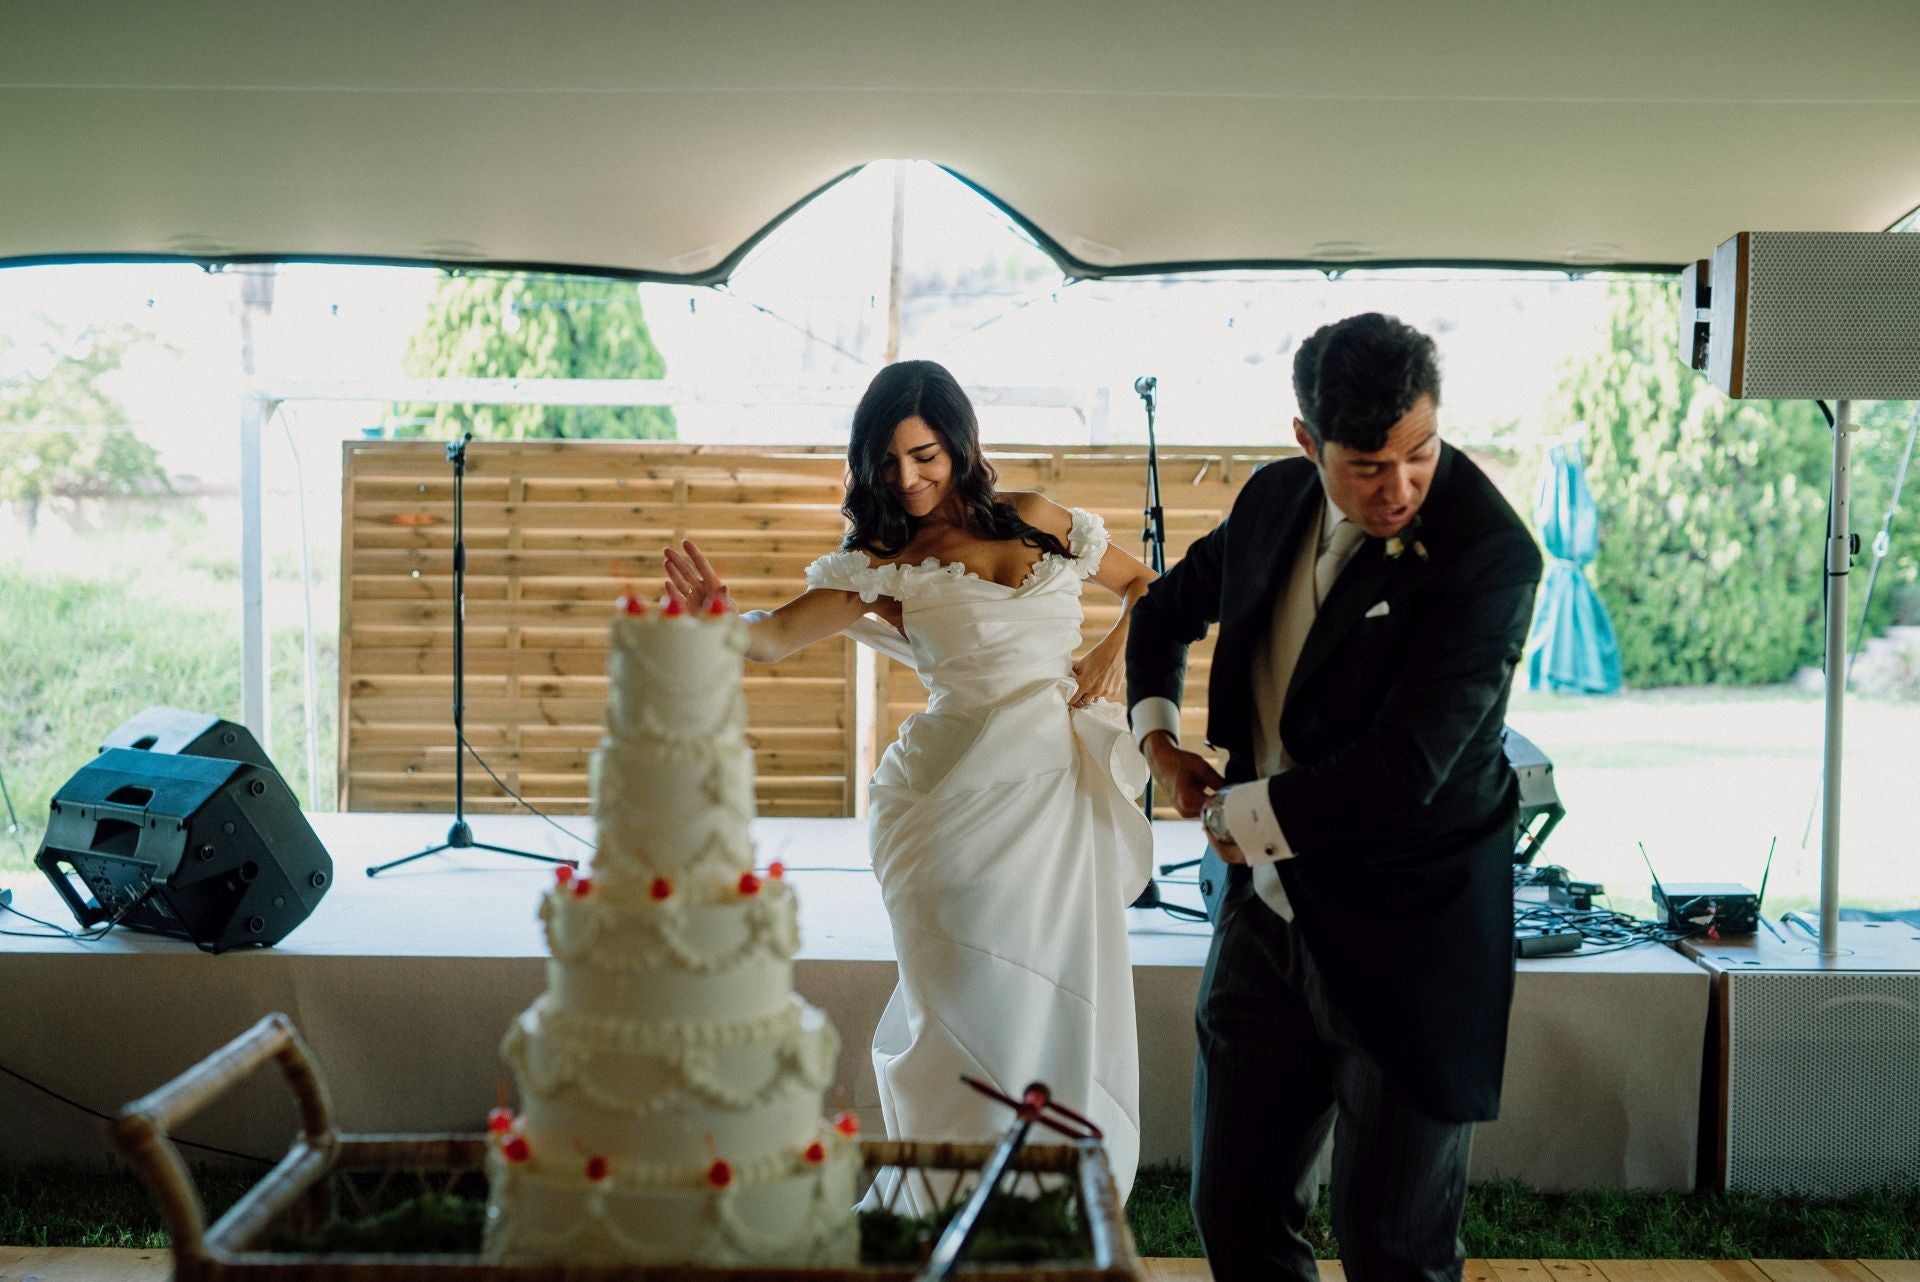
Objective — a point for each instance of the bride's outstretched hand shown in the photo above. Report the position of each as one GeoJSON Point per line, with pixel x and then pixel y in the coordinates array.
{"type": "Point", "coordinates": [692, 578]}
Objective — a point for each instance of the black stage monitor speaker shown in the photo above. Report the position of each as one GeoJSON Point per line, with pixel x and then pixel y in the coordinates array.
{"type": "Point", "coordinates": [202, 848]}
{"type": "Point", "coordinates": [175, 730]}
{"type": "Point", "coordinates": [1540, 808]}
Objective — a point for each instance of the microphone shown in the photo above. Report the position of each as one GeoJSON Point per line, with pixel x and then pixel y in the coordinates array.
{"type": "Point", "coordinates": [1144, 386]}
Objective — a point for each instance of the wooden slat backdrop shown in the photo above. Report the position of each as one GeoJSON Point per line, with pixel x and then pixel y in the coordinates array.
{"type": "Point", "coordinates": [554, 532]}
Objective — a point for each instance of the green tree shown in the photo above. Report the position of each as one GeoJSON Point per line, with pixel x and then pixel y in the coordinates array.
{"type": "Point", "coordinates": [61, 435]}
{"type": "Point", "coordinates": [537, 327]}
{"type": "Point", "coordinates": [1713, 511]}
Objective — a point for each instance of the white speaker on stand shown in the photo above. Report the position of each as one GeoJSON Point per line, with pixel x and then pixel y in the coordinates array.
{"type": "Point", "coordinates": [1813, 315]}
{"type": "Point", "coordinates": [1814, 1070]}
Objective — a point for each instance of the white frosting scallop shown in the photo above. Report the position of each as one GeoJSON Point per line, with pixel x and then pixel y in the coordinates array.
{"type": "Point", "coordinates": [648, 1102]}
{"type": "Point", "coordinates": [780, 1210]}
{"type": "Point", "coordinates": [702, 927]}
{"type": "Point", "coordinates": [672, 809]}
{"type": "Point", "coordinates": [676, 680]}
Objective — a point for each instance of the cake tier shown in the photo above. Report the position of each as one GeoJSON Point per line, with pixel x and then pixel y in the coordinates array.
{"type": "Point", "coordinates": [703, 925]}
{"type": "Point", "coordinates": [672, 1098]}
{"type": "Point", "coordinates": [782, 1210]}
{"type": "Point", "coordinates": [676, 680]}
{"type": "Point", "coordinates": [672, 809]}
{"type": "Point", "coordinates": [706, 954]}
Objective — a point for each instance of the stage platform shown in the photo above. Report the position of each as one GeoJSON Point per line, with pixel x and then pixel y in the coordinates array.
{"type": "Point", "coordinates": [403, 984]}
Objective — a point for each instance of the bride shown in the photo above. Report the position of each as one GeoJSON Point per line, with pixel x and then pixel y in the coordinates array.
{"type": "Point", "coordinates": [1002, 820]}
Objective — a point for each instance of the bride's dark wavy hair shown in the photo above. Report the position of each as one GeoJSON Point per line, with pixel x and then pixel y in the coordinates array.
{"type": "Point", "coordinates": [907, 389]}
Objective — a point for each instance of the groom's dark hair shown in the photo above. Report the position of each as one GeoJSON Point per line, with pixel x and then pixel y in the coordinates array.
{"type": "Point", "coordinates": [1356, 378]}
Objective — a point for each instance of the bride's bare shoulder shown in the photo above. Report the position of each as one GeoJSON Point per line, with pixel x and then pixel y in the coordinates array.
{"type": "Point", "coordinates": [1039, 511]}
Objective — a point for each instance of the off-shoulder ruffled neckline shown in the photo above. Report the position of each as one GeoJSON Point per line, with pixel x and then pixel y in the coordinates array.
{"type": "Point", "coordinates": [1088, 532]}
{"type": "Point", "coordinates": [957, 570]}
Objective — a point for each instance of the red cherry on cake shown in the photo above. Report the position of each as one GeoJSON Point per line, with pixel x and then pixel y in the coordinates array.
{"type": "Point", "coordinates": [717, 606]}
{"type": "Point", "coordinates": [673, 609]}
{"type": "Point", "coordinates": [515, 1149]}
{"type": "Point", "coordinates": [661, 889]}
{"type": "Point", "coordinates": [631, 605]}
{"type": "Point", "coordinates": [847, 1124]}
{"type": "Point", "coordinates": [500, 1121]}
{"type": "Point", "coordinates": [776, 870]}
{"type": "Point", "coordinates": [749, 884]}
{"type": "Point", "coordinates": [596, 1169]}
{"type": "Point", "coordinates": [563, 874]}
{"type": "Point", "coordinates": [816, 1153]}
{"type": "Point", "coordinates": [583, 887]}
{"type": "Point", "coordinates": [720, 1174]}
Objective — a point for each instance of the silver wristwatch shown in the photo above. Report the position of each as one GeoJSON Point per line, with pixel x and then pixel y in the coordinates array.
{"type": "Point", "coordinates": [1213, 817]}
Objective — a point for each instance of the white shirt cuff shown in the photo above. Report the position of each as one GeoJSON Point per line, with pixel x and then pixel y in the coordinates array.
{"type": "Point", "coordinates": [1151, 714]}
{"type": "Point", "coordinates": [1248, 812]}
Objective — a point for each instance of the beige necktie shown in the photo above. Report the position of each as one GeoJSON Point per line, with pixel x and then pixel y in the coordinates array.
{"type": "Point", "coordinates": [1340, 546]}
{"type": "Point", "coordinates": [1273, 672]}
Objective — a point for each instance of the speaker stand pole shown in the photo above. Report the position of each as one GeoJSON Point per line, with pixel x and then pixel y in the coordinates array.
{"type": "Point", "coordinates": [460, 836]}
{"type": "Point", "coordinates": [1839, 561]}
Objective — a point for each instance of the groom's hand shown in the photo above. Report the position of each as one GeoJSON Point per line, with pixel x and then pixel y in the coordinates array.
{"type": "Point", "coordinates": [1186, 777]}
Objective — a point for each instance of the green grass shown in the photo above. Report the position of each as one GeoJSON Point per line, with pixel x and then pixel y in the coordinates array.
{"type": "Point", "coordinates": [65, 1205]}
{"type": "Point", "coordinates": [1509, 1221]}
{"type": "Point", "coordinates": [1506, 1221]}
{"type": "Point", "coordinates": [80, 657]}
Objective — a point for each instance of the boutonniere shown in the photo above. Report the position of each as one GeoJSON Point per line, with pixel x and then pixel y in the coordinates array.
{"type": "Point", "coordinates": [1407, 540]}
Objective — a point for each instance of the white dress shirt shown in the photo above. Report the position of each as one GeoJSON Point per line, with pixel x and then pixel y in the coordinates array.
{"type": "Point", "coordinates": [1247, 808]}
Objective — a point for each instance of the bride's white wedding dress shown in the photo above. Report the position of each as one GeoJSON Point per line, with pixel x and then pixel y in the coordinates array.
{"type": "Point", "coordinates": [1008, 846]}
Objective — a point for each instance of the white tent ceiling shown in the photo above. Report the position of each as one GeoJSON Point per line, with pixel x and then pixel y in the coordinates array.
{"type": "Point", "coordinates": [661, 139]}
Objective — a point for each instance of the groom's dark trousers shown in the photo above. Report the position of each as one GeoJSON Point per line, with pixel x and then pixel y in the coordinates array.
{"type": "Point", "coordinates": [1277, 1060]}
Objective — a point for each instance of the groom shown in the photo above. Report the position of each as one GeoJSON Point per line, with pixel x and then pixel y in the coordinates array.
{"type": "Point", "coordinates": [1372, 599]}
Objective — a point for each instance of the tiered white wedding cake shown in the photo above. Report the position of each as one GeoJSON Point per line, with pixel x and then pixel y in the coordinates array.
{"type": "Point", "coordinates": [671, 1081]}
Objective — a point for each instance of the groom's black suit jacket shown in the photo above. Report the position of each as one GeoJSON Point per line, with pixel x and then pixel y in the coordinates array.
{"type": "Point", "coordinates": [1401, 809]}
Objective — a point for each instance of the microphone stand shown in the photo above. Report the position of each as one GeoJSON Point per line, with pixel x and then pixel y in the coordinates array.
{"type": "Point", "coordinates": [460, 836]}
{"type": "Point", "coordinates": [1153, 534]}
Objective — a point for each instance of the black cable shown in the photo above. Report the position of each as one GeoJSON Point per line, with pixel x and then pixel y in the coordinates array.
{"type": "Point", "coordinates": [48, 1091]}
{"type": "Point", "coordinates": [1601, 930]}
{"type": "Point", "coordinates": [474, 753]}
{"type": "Point", "coordinates": [86, 936]}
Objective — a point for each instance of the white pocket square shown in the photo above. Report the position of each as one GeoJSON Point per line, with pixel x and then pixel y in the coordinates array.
{"type": "Point", "coordinates": [1379, 611]}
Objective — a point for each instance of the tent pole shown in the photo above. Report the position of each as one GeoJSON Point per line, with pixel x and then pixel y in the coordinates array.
{"type": "Point", "coordinates": [256, 303]}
